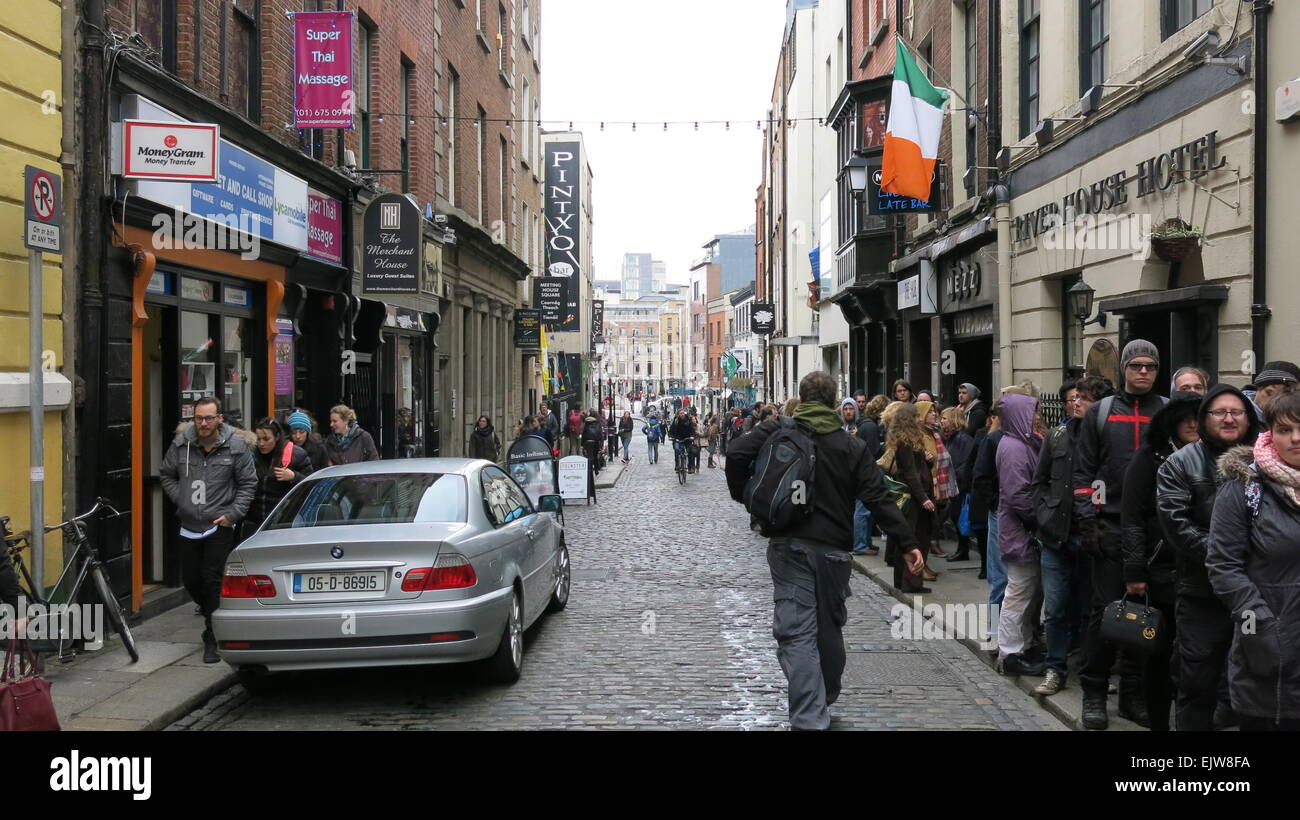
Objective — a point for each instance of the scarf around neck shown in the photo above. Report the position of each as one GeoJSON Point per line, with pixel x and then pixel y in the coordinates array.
{"type": "Point", "coordinates": [342, 440]}
{"type": "Point", "coordinates": [1277, 470]}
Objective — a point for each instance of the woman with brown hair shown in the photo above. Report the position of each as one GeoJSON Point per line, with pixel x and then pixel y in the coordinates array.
{"type": "Point", "coordinates": [904, 460]}
{"type": "Point", "coordinates": [348, 443]}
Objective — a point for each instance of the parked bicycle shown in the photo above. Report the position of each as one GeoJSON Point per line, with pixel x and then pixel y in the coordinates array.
{"type": "Point", "coordinates": [84, 564]}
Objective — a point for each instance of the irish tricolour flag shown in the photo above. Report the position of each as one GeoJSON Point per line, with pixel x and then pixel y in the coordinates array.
{"type": "Point", "coordinates": [912, 135]}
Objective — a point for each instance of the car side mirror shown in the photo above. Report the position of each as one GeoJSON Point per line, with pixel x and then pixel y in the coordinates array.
{"type": "Point", "coordinates": [551, 503]}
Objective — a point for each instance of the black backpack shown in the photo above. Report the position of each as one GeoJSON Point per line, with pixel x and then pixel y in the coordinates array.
{"type": "Point", "coordinates": [779, 494]}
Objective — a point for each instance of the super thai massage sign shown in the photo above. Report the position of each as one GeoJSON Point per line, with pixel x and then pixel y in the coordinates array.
{"type": "Point", "coordinates": [322, 70]}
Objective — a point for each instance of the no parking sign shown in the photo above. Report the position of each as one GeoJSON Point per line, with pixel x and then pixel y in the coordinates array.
{"type": "Point", "coordinates": [43, 210]}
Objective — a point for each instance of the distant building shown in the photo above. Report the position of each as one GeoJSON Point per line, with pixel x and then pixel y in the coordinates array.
{"type": "Point", "coordinates": [638, 275]}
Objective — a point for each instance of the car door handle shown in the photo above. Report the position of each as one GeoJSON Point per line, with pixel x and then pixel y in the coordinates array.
{"type": "Point", "coordinates": [531, 533]}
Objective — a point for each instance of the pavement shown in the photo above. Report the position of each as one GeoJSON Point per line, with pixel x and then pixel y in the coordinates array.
{"type": "Point", "coordinates": [958, 584]}
{"type": "Point", "coordinates": [104, 690]}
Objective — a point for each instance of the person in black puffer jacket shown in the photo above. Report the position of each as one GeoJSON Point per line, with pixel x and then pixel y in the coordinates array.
{"type": "Point", "coordinates": [1148, 561]}
{"type": "Point", "coordinates": [275, 477]}
{"type": "Point", "coordinates": [593, 433]}
{"type": "Point", "coordinates": [348, 443]}
{"type": "Point", "coordinates": [1187, 485]}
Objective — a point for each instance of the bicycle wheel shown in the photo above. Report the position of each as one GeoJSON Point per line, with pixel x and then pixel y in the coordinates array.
{"type": "Point", "coordinates": [115, 615]}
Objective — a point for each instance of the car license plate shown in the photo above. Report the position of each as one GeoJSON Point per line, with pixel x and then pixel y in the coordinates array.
{"type": "Point", "coordinates": [312, 582]}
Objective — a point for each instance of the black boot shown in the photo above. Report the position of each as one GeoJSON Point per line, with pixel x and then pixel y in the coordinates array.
{"type": "Point", "coordinates": [963, 549]}
{"type": "Point", "coordinates": [1133, 707]}
{"type": "Point", "coordinates": [209, 643]}
{"type": "Point", "coordinates": [1094, 711]}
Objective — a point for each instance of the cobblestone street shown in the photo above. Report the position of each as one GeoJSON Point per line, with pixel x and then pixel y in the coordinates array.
{"type": "Point", "coordinates": [668, 627]}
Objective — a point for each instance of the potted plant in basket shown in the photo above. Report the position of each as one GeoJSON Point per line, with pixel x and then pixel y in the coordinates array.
{"type": "Point", "coordinates": [1175, 240]}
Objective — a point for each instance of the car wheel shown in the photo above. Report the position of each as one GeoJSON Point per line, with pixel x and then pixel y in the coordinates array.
{"type": "Point", "coordinates": [560, 598]}
{"type": "Point", "coordinates": [508, 663]}
{"type": "Point", "coordinates": [257, 682]}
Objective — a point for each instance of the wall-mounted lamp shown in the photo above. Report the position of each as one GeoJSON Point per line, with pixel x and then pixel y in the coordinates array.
{"type": "Point", "coordinates": [1080, 303]}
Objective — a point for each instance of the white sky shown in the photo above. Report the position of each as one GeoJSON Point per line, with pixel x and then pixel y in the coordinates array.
{"type": "Point", "coordinates": [628, 60]}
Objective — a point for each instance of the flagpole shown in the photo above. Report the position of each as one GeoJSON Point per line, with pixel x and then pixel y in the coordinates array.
{"type": "Point", "coordinates": [916, 55]}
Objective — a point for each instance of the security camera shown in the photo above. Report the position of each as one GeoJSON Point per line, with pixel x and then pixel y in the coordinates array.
{"type": "Point", "coordinates": [349, 159]}
{"type": "Point", "coordinates": [1201, 47]}
{"type": "Point", "coordinates": [440, 219]}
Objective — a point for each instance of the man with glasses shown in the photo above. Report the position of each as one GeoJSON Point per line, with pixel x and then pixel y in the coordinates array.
{"type": "Point", "coordinates": [1111, 432]}
{"type": "Point", "coordinates": [1186, 486]}
{"type": "Point", "coordinates": [208, 473]}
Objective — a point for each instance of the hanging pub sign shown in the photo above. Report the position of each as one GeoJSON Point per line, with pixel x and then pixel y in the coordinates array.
{"type": "Point", "coordinates": [879, 202]}
{"type": "Point", "coordinates": [392, 249]}
{"type": "Point", "coordinates": [597, 322]}
{"type": "Point", "coordinates": [322, 69]}
{"type": "Point", "coordinates": [762, 319]}
{"type": "Point", "coordinates": [548, 299]}
{"type": "Point", "coordinates": [563, 230]}
{"type": "Point", "coordinates": [528, 328]}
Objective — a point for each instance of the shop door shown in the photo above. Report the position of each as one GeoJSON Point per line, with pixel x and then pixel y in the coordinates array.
{"type": "Point", "coordinates": [161, 412]}
{"type": "Point", "coordinates": [1155, 328]}
{"type": "Point", "coordinates": [973, 359]}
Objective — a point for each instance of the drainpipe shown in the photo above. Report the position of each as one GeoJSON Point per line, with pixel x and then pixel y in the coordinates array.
{"type": "Point", "coordinates": [71, 284]}
{"type": "Point", "coordinates": [1259, 310]}
{"type": "Point", "coordinates": [1006, 365]}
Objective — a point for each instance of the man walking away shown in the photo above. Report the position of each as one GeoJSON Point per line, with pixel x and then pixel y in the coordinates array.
{"type": "Point", "coordinates": [810, 563]}
{"type": "Point", "coordinates": [1111, 432]}
{"type": "Point", "coordinates": [208, 473]}
{"type": "Point", "coordinates": [573, 434]}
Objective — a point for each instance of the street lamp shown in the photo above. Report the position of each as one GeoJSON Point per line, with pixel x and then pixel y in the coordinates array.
{"type": "Point", "coordinates": [857, 168]}
{"type": "Point", "coordinates": [1080, 303]}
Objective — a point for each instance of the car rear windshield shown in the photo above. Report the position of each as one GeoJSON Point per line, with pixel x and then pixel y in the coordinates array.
{"type": "Point", "coordinates": [391, 498]}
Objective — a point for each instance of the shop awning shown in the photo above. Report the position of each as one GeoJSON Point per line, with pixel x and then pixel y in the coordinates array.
{"type": "Point", "coordinates": [945, 244]}
{"type": "Point", "coordinates": [1165, 299]}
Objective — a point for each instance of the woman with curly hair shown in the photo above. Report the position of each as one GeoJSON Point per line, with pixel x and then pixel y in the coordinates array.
{"type": "Point", "coordinates": [904, 460]}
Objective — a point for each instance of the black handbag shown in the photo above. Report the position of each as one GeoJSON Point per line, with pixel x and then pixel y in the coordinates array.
{"type": "Point", "coordinates": [1136, 626]}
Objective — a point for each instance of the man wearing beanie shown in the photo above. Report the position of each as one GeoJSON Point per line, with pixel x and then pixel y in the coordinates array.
{"type": "Point", "coordinates": [1272, 379]}
{"type": "Point", "coordinates": [1112, 430]}
{"type": "Point", "coordinates": [968, 398]}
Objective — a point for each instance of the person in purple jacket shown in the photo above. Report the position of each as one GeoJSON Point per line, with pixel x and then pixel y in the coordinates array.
{"type": "Point", "coordinates": [1017, 459]}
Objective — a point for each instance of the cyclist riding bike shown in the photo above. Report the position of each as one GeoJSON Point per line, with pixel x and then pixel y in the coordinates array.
{"type": "Point", "coordinates": [681, 433]}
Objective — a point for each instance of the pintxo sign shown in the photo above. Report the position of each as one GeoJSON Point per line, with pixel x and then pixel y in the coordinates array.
{"type": "Point", "coordinates": [1191, 160]}
{"type": "Point", "coordinates": [597, 322]}
{"type": "Point", "coordinates": [563, 230]}
{"type": "Point", "coordinates": [392, 254]}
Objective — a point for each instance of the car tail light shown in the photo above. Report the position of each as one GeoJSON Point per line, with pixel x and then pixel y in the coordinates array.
{"type": "Point", "coordinates": [237, 583]}
{"type": "Point", "coordinates": [453, 571]}
{"type": "Point", "coordinates": [415, 579]}
{"type": "Point", "coordinates": [236, 645]}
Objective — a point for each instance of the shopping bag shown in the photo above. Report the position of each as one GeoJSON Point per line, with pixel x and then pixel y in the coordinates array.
{"type": "Point", "coordinates": [963, 520]}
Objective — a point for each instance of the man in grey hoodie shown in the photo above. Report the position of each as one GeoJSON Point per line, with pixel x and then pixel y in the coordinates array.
{"type": "Point", "coordinates": [208, 473]}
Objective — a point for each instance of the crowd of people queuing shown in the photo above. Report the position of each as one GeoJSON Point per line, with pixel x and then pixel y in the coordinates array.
{"type": "Point", "coordinates": [1188, 504]}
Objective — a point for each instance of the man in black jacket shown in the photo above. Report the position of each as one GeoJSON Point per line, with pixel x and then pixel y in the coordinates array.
{"type": "Point", "coordinates": [1187, 484]}
{"type": "Point", "coordinates": [1148, 561]}
{"type": "Point", "coordinates": [968, 398]}
{"type": "Point", "coordinates": [810, 562]}
{"type": "Point", "coordinates": [1105, 445]}
{"type": "Point", "coordinates": [1065, 582]}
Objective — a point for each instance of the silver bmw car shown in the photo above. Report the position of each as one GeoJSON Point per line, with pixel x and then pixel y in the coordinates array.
{"type": "Point", "coordinates": [411, 561]}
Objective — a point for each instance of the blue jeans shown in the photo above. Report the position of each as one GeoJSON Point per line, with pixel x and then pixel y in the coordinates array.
{"type": "Point", "coordinates": [1060, 604]}
{"type": "Point", "coordinates": [652, 450]}
{"type": "Point", "coordinates": [861, 527]}
{"type": "Point", "coordinates": [997, 571]}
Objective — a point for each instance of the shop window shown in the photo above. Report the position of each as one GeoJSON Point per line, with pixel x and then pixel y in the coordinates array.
{"type": "Point", "coordinates": [155, 20]}
{"type": "Point", "coordinates": [236, 371]}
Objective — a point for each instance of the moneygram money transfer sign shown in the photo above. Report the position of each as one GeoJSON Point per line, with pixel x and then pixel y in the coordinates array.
{"type": "Point", "coordinates": [170, 151]}
{"type": "Point", "coordinates": [322, 70]}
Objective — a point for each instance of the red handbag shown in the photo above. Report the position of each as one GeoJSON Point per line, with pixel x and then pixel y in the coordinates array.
{"type": "Point", "coordinates": [25, 701]}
